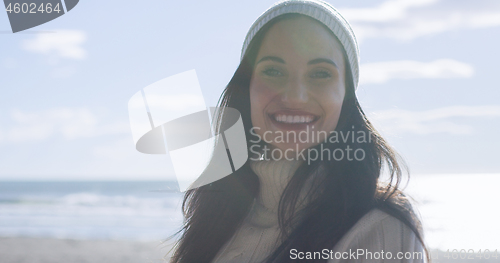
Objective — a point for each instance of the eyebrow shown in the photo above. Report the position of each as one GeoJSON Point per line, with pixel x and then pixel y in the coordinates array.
{"type": "Point", "coordinates": [271, 58]}
{"type": "Point", "coordinates": [312, 62]}
{"type": "Point", "coordinates": [322, 60]}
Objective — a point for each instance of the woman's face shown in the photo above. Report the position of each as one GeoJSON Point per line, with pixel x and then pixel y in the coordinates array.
{"type": "Point", "coordinates": [297, 86]}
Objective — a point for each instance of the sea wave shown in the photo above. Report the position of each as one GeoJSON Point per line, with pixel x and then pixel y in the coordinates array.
{"type": "Point", "coordinates": [87, 215]}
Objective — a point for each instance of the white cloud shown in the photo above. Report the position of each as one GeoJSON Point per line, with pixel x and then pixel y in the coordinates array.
{"type": "Point", "coordinates": [381, 72]}
{"type": "Point", "coordinates": [387, 11]}
{"type": "Point", "coordinates": [409, 19]}
{"type": "Point", "coordinates": [61, 44]}
{"type": "Point", "coordinates": [119, 150]}
{"type": "Point", "coordinates": [176, 102]}
{"type": "Point", "coordinates": [67, 123]}
{"type": "Point", "coordinates": [431, 121]}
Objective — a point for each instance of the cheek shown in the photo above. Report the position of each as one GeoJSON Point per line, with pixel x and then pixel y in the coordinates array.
{"type": "Point", "coordinates": [260, 97]}
{"type": "Point", "coordinates": [260, 90]}
{"type": "Point", "coordinates": [332, 105]}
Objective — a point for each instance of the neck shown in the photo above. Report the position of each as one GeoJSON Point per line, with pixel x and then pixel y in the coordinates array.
{"type": "Point", "coordinates": [273, 177]}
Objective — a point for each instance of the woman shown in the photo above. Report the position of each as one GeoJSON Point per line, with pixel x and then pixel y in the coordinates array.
{"type": "Point", "coordinates": [308, 190]}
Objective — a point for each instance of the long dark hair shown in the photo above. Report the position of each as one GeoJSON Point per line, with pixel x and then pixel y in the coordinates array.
{"type": "Point", "coordinates": [342, 191]}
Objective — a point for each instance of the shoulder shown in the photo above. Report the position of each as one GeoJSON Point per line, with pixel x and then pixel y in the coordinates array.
{"type": "Point", "coordinates": [378, 231]}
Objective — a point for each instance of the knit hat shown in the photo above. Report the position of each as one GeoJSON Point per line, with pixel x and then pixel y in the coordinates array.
{"type": "Point", "coordinates": [324, 13]}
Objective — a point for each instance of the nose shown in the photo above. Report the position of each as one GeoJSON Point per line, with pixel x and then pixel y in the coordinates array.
{"type": "Point", "coordinates": [295, 92]}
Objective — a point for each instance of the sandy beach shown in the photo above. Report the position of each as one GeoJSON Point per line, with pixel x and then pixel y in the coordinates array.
{"type": "Point", "coordinates": [40, 250]}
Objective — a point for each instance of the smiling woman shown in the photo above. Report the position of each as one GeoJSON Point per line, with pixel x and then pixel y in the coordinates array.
{"type": "Point", "coordinates": [298, 74]}
{"type": "Point", "coordinates": [298, 80]}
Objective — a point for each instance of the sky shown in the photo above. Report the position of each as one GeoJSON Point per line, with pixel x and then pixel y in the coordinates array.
{"type": "Point", "coordinates": [429, 81]}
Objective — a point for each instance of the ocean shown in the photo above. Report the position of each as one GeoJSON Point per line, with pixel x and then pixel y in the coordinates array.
{"type": "Point", "coordinates": [459, 211]}
{"type": "Point", "coordinates": [142, 211]}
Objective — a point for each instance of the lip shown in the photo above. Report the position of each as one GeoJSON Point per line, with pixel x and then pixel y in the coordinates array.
{"type": "Point", "coordinates": [293, 119]}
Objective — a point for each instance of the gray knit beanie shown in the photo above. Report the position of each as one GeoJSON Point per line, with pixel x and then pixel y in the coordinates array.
{"type": "Point", "coordinates": [324, 13]}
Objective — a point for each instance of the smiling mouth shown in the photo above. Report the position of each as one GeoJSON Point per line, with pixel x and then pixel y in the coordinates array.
{"type": "Point", "coordinates": [293, 118]}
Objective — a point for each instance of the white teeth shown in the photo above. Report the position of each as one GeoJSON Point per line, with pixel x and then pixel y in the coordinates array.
{"type": "Point", "coordinates": [294, 118]}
